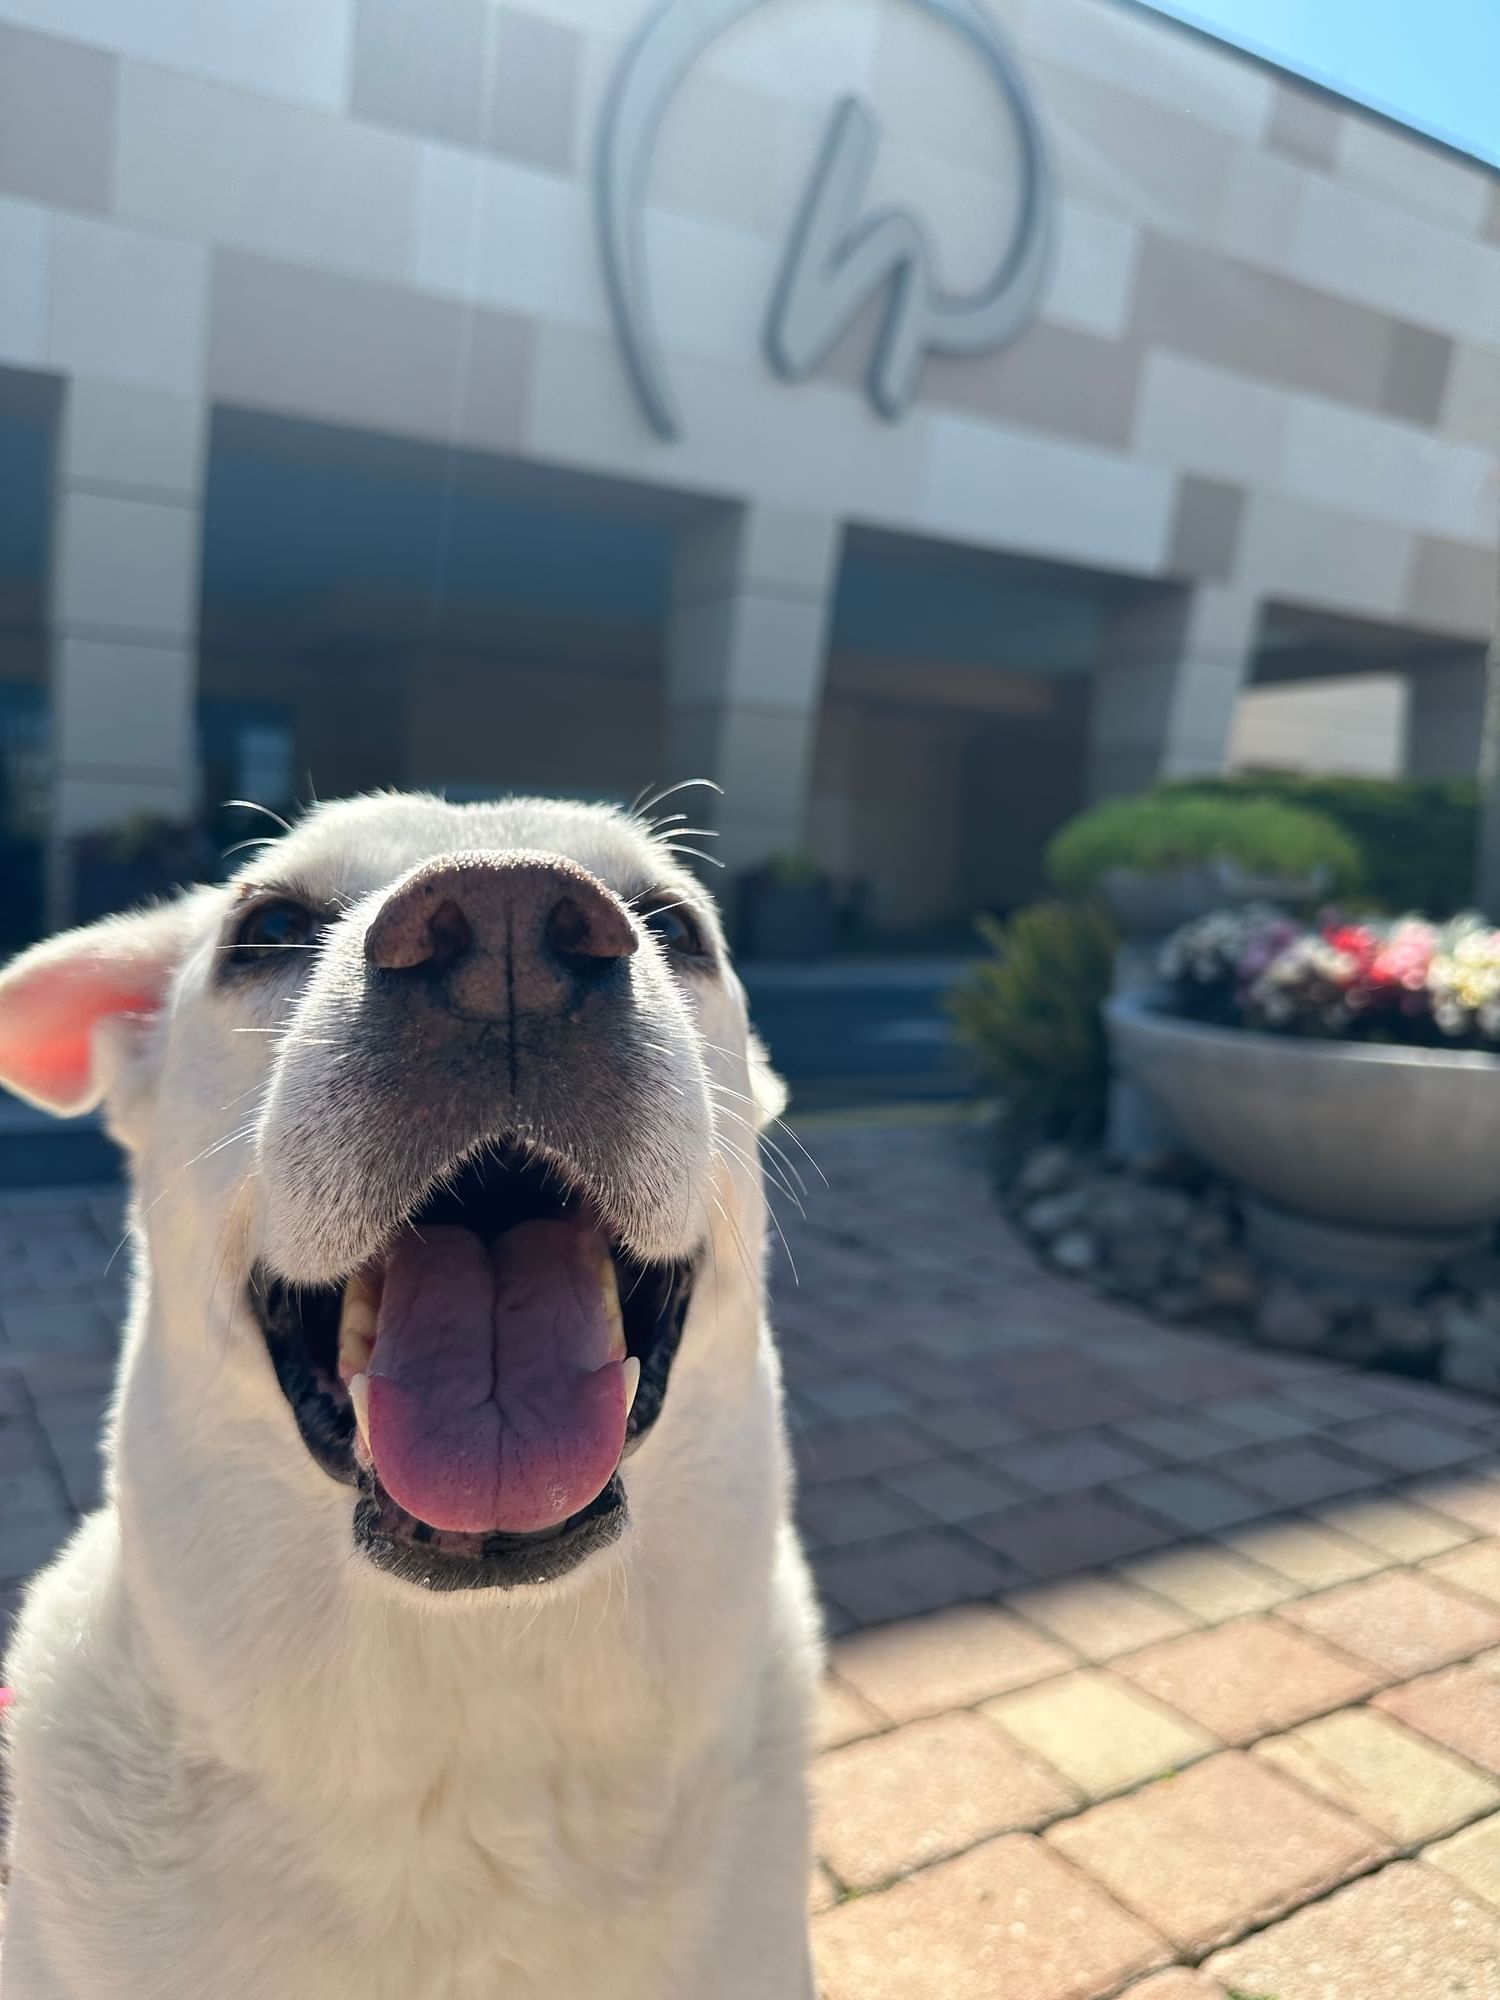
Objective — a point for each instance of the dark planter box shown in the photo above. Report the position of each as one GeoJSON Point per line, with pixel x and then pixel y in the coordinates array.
{"type": "Point", "coordinates": [784, 919]}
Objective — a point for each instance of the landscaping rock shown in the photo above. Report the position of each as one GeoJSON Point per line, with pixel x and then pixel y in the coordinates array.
{"type": "Point", "coordinates": [1124, 1208]}
{"type": "Point", "coordinates": [1470, 1347]}
{"type": "Point", "coordinates": [1186, 1266]}
{"type": "Point", "coordinates": [1144, 1261]}
{"type": "Point", "coordinates": [1472, 1365]}
{"type": "Point", "coordinates": [1230, 1282]}
{"type": "Point", "coordinates": [1075, 1250]}
{"type": "Point", "coordinates": [1208, 1229]}
{"type": "Point", "coordinates": [1405, 1331]}
{"type": "Point", "coordinates": [1045, 1170]}
{"type": "Point", "coordinates": [1461, 1325]}
{"type": "Point", "coordinates": [1354, 1339]}
{"type": "Point", "coordinates": [1290, 1317]}
{"type": "Point", "coordinates": [1055, 1213]}
{"type": "Point", "coordinates": [1178, 1301]}
{"type": "Point", "coordinates": [1172, 1242]}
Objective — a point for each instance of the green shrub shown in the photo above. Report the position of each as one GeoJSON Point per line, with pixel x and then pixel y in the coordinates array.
{"type": "Point", "coordinates": [1416, 836]}
{"type": "Point", "coordinates": [1030, 1011]}
{"type": "Point", "coordinates": [1159, 831]}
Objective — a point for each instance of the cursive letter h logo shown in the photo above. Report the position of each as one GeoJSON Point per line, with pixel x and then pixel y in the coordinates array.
{"type": "Point", "coordinates": [835, 258]}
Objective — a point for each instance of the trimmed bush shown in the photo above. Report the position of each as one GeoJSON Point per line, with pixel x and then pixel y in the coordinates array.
{"type": "Point", "coordinates": [1416, 836]}
{"type": "Point", "coordinates": [1030, 1011]}
{"type": "Point", "coordinates": [1161, 831]}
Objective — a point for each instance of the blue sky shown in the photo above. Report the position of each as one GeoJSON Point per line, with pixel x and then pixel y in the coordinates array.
{"type": "Point", "coordinates": [1434, 64]}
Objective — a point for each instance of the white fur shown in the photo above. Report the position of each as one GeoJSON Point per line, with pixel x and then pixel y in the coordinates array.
{"type": "Point", "coordinates": [245, 1763]}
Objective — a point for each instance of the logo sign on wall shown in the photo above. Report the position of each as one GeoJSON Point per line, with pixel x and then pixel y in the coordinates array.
{"type": "Point", "coordinates": [837, 254]}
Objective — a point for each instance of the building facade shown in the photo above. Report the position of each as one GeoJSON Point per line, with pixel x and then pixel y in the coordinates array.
{"type": "Point", "coordinates": [917, 416]}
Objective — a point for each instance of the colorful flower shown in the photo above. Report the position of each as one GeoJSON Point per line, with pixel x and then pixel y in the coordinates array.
{"type": "Point", "coordinates": [1401, 980]}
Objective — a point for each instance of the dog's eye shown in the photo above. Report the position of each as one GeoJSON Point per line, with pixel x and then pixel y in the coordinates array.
{"type": "Point", "coordinates": [272, 927]}
{"type": "Point", "coordinates": [677, 928]}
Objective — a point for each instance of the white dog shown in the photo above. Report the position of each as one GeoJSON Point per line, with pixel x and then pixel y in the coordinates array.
{"type": "Point", "coordinates": [443, 1636]}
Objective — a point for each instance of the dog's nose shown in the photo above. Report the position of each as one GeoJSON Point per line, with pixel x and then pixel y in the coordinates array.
{"type": "Point", "coordinates": [502, 933]}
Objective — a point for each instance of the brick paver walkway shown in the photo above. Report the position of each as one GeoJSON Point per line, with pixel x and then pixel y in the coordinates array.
{"type": "Point", "coordinates": [1162, 1667]}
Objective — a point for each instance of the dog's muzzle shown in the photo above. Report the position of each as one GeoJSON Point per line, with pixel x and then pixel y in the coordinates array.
{"type": "Point", "coordinates": [481, 1376]}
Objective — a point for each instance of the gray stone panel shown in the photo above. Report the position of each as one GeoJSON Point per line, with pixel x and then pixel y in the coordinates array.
{"type": "Point", "coordinates": [1194, 301]}
{"type": "Point", "coordinates": [344, 350]}
{"type": "Point", "coordinates": [1206, 529]}
{"type": "Point", "coordinates": [1452, 586]}
{"type": "Point", "coordinates": [1304, 127]}
{"type": "Point", "coordinates": [1054, 379]}
{"type": "Point", "coordinates": [491, 407]}
{"type": "Point", "coordinates": [1417, 375]}
{"type": "Point", "coordinates": [57, 120]}
{"type": "Point", "coordinates": [416, 72]}
{"type": "Point", "coordinates": [531, 111]}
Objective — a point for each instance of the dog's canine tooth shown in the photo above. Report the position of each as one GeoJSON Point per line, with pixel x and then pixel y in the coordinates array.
{"type": "Point", "coordinates": [359, 1396]}
{"type": "Point", "coordinates": [356, 1325]}
{"type": "Point", "coordinates": [609, 1287]}
{"type": "Point", "coordinates": [632, 1381]}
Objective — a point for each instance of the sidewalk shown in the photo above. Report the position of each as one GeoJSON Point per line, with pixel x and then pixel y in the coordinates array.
{"type": "Point", "coordinates": [1161, 1666]}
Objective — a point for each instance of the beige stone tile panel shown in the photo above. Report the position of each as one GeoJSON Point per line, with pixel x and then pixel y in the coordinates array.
{"type": "Point", "coordinates": [1248, 1679]}
{"type": "Point", "coordinates": [1210, 1854]}
{"type": "Point", "coordinates": [1390, 1778]}
{"type": "Point", "coordinates": [1472, 1858]}
{"type": "Point", "coordinates": [951, 1660]}
{"type": "Point", "coordinates": [894, 1803]}
{"type": "Point", "coordinates": [1402, 1623]}
{"type": "Point", "coordinates": [1403, 1934]}
{"type": "Point", "coordinates": [1007, 1921]}
{"type": "Point", "coordinates": [1101, 1733]}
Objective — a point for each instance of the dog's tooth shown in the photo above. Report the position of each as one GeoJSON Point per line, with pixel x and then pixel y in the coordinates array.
{"type": "Point", "coordinates": [632, 1381]}
{"type": "Point", "coordinates": [609, 1288]}
{"type": "Point", "coordinates": [359, 1396]}
{"type": "Point", "coordinates": [357, 1315]}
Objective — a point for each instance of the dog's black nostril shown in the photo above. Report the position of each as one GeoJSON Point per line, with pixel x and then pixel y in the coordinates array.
{"type": "Point", "coordinates": [580, 940]}
{"type": "Point", "coordinates": [449, 935]}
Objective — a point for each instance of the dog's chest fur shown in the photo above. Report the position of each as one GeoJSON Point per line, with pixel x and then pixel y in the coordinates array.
{"type": "Point", "coordinates": [565, 1815]}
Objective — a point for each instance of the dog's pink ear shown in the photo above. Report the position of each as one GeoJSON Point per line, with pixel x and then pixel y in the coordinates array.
{"type": "Point", "coordinates": [56, 997]}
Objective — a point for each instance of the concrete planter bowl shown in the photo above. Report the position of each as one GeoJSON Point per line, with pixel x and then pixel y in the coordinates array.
{"type": "Point", "coordinates": [1150, 905]}
{"type": "Point", "coordinates": [1362, 1166]}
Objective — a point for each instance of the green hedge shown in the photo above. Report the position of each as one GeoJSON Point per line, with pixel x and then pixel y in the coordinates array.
{"type": "Point", "coordinates": [1416, 836]}
{"type": "Point", "coordinates": [1167, 829]}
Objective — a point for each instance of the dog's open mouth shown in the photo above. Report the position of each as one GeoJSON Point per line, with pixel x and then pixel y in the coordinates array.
{"type": "Point", "coordinates": [481, 1380]}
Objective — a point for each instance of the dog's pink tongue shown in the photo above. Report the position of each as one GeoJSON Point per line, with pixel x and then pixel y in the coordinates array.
{"type": "Point", "coordinates": [493, 1399]}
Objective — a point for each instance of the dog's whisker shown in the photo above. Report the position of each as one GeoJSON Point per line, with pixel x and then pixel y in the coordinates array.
{"type": "Point", "coordinates": [769, 1183]}
{"type": "Point", "coordinates": [789, 1166]}
{"type": "Point", "coordinates": [671, 791]}
{"type": "Point", "coordinates": [801, 1148]}
{"type": "Point", "coordinates": [697, 853]}
{"type": "Point", "coordinates": [661, 909]}
{"type": "Point", "coordinates": [734, 1230]}
{"type": "Point", "coordinates": [763, 1138]}
{"type": "Point", "coordinates": [789, 1130]}
{"type": "Point", "coordinates": [270, 947]}
{"type": "Point", "coordinates": [252, 805]}
{"type": "Point", "coordinates": [752, 1164]}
